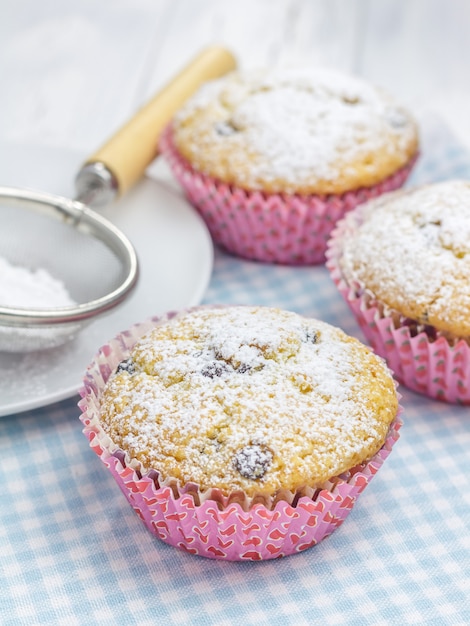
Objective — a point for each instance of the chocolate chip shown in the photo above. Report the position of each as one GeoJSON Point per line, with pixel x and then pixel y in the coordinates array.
{"type": "Point", "coordinates": [310, 336]}
{"type": "Point", "coordinates": [413, 325]}
{"type": "Point", "coordinates": [244, 367]}
{"type": "Point", "coordinates": [214, 369]}
{"type": "Point", "coordinates": [416, 327]}
{"type": "Point", "coordinates": [431, 332]}
{"type": "Point", "coordinates": [253, 461]}
{"type": "Point", "coordinates": [126, 366]}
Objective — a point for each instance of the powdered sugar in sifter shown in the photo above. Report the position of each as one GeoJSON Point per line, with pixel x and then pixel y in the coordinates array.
{"type": "Point", "coordinates": [69, 240]}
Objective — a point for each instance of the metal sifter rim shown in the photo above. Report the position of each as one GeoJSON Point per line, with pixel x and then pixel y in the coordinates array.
{"type": "Point", "coordinates": [87, 221]}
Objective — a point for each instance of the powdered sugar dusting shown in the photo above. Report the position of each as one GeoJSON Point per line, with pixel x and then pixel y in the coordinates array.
{"type": "Point", "coordinates": [250, 398]}
{"type": "Point", "coordinates": [298, 126]}
{"type": "Point", "coordinates": [412, 252]}
{"type": "Point", "coordinates": [31, 288]}
{"type": "Point", "coordinates": [26, 288]}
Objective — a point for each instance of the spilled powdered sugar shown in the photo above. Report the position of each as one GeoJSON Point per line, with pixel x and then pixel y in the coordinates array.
{"type": "Point", "coordinates": [240, 395]}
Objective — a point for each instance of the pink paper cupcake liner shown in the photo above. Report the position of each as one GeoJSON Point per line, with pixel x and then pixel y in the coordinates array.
{"type": "Point", "coordinates": [207, 523]}
{"type": "Point", "coordinates": [289, 229]}
{"type": "Point", "coordinates": [434, 367]}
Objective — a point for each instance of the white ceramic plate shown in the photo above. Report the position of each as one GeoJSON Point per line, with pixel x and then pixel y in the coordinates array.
{"type": "Point", "coordinates": [175, 253]}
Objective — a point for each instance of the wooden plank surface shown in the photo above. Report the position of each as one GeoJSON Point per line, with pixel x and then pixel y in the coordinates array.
{"type": "Point", "coordinates": [72, 72]}
{"type": "Point", "coordinates": [420, 51]}
{"type": "Point", "coordinates": [72, 69]}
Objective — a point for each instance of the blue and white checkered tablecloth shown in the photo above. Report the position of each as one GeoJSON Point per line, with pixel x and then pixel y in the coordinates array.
{"type": "Point", "coordinates": [73, 552]}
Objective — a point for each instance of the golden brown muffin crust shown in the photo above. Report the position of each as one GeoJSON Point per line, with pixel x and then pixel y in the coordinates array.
{"type": "Point", "coordinates": [305, 131]}
{"type": "Point", "coordinates": [412, 253]}
{"type": "Point", "coordinates": [249, 398]}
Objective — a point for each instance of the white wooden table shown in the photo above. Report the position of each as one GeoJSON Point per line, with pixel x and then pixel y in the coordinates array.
{"type": "Point", "coordinates": [72, 72]}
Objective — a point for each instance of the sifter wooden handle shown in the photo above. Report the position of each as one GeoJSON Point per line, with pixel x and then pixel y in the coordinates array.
{"type": "Point", "coordinates": [128, 153]}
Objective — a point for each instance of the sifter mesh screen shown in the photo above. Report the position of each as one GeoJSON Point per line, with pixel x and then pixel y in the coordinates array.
{"type": "Point", "coordinates": [86, 265]}
{"type": "Point", "coordinates": [94, 261]}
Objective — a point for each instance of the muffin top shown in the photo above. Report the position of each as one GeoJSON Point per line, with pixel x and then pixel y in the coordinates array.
{"type": "Point", "coordinates": [411, 251]}
{"type": "Point", "coordinates": [249, 398]}
{"type": "Point", "coordinates": [295, 130]}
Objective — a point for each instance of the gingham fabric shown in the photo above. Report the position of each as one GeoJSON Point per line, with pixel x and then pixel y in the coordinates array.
{"type": "Point", "coordinates": [73, 552]}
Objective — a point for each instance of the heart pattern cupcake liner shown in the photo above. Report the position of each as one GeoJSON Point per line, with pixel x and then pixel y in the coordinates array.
{"type": "Point", "coordinates": [287, 229]}
{"type": "Point", "coordinates": [207, 523]}
{"type": "Point", "coordinates": [431, 366]}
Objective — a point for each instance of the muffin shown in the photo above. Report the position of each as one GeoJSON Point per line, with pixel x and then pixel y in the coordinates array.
{"type": "Point", "coordinates": [272, 159]}
{"type": "Point", "coordinates": [242, 433]}
{"type": "Point", "coordinates": [402, 262]}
